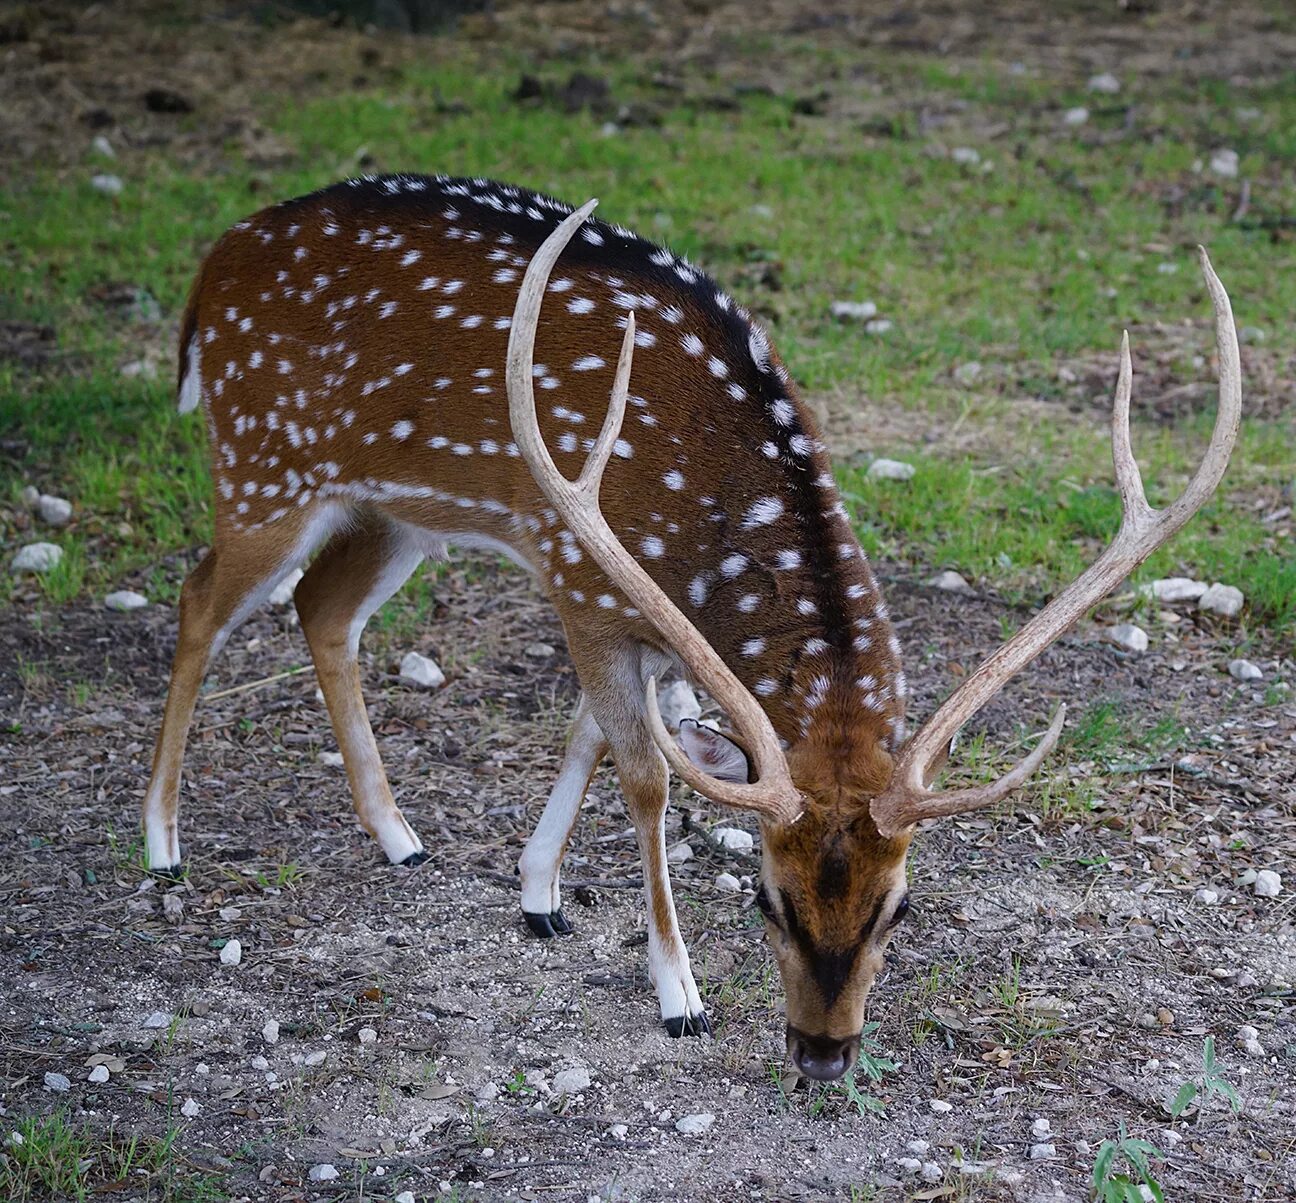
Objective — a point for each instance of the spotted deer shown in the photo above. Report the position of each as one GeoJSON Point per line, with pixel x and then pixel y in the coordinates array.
{"type": "Point", "coordinates": [381, 380]}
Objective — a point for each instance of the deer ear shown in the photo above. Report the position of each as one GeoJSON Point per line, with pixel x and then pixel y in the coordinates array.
{"type": "Point", "coordinates": [713, 753]}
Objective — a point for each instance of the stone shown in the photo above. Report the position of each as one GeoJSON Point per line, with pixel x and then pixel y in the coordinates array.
{"type": "Point", "coordinates": [910, 1165]}
{"type": "Point", "coordinates": [421, 671]}
{"type": "Point", "coordinates": [1041, 1128]}
{"type": "Point", "coordinates": [103, 147]}
{"type": "Point", "coordinates": [109, 185]}
{"type": "Point", "coordinates": [931, 1172]}
{"type": "Point", "coordinates": [282, 593]}
{"type": "Point", "coordinates": [940, 1106]}
{"type": "Point", "coordinates": [727, 881]}
{"type": "Point", "coordinates": [332, 760]}
{"type": "Point", "coordinates": [1248, 1039]}
{"type": "Point", "coordinates": [694, 1125]}
{"type": "Point", "coordinates": [967, 373]}
{"type": "Point", "coordinates": [919, 1148]}
{"type": "Point", "coordinates": [1206, 897]}
{"type": "Point", "coordinates": [677, 854]}
{"type": "Point", "coordinates": [56, 511]}
{"type": "Point", "coordinates": [891, 469]}
{"type": "Point", "coordinates": [879, 325]}
{"type": "Point", "coordinates": [539, 651]}
{"type": "Point", "coordinates": [1268, 884]}
{"type": "Point", "coordinates": [318, 1057]}
{"type": "Point", "coordinates": [1244, 670]}
{"type": "Point", "coordinates": [966, 156]}
{"type": "Point", "coordinates": [1076, 116]}
{"type": "Point", "coordinates": [1131, 637]}
{"type": "Point", "coordinates": [619, 1131]}
{"type": "Point", "coordinates": [733, 839]}
{"type": "Point", "coordinates": [157, 1019]}
{"type": "Point", "coordinates": [190, 1109]}
{"type": "Point", "coordinates": [1223, 600]}
{"type": "Point", "coordinates": [1105, 84]}
{"type": "Point", "coordinates": [37, 557]}
{"type": "Point", "coordinates": [99, 1074]}
{"type": "Point", "coordinates": [859, 311]}
{"type": "Point", "coordinates": [1174, 589]}
{"type": "Point", "coordinates": [1042, 1151]}
{"type": "Point", "coordinates": [323, 1173]}
{"type": "Point", "coordinates": [678, 702]}
{"type": "Point", "coordinates": [571, 1081]}
{"type": "Point", "coordinates": [125, 599]}
{"type": "Point", "coordinates": [950, 581]}
{"type": "Point", "coordinates": [406, 1196]}
{"type": "Point", "coordinates": [58, 1083]}
{"type": "Point", "coordinates": [1224, 162]}
{"type": "Point", "coordinates": [232, 953]}
{"type": "Point", "coordinates": [367, 1036]}
{"type": "Point", "coordinates": [270, 1031]}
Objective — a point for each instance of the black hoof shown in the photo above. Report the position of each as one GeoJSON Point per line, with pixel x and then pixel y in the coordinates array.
{"type": "Point", "coordinates": [547, 926]}
{"type": "Point", "coordinates": [169, 872]}
{"type": "Point", "coordinates": [687, 1025]}
{"type": "Point", "coordinates": [414, 859]}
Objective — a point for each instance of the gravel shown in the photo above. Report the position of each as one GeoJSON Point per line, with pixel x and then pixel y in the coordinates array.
{"type": "Point", "coordinates": [421, 671]}
{"type": "Point", "coordinates": [56, 511]}
{"type": "Point", "coordinates": [727, 881]}
{"type": "Point", "coordinates": [232, 953]}
{"type": "Point", "coordinates": [856, 310]}
{"type": "Point", "coordinates": [109, 185]}
{"type": "Point", "coordinates": [968, 373]}
{"type": "Point", "coordinates": [694, 1125]}
{"type": "Point", "coordinates": [324, 1172]}
{"type": "Point", "coordinates": [879, 325]}
{"type": "Point", "coordinates": [1043, 1151]}
{"type": "Point", "coordinates": [1127, 635]}
{"type": "Point", "coordinates": [1105, 84]}
{"type": "Point", "coordinates": [157, 1019]}
{"type": "Point", "coordinates": [967, 156]}
{"type": "Point", "coordinates": [270, 1031]}
{"type": "Point", "coordinates": [1224, 162]}
{"type": "Point", "coordinates": [1223, 600]}
{"type": "Point", "coordinates": [677, 854]}
{"type": "Point", "coordinates": [1076, 116]}
{"type": "Point", "coordinates": [99, 1074]}
{"type": "Point", "coordinates": [1268, 884]}
{"type": "Point", "coordinates": [1174, 589]}
{"type": "Point", "coordinates": [190, 1109]}
{"type": "Point", "coordinates": [940, 1106]}
{"type": "Point", "coordinates": [125, 599]}
{"type": "Point", "coordinates": [891, 469]}
{"type": "Point", "coordinates": [733, 839]}
{"type": "Point", "coordinates": [571, 1081]}
{"type": "Point", "coordinates": [59, 1083]}
{"type": "Point", "coordinates": [37, 557]}
{"type": "Point", "coordinates": [1244, 670]}
{"type": "Point", "coordinates": [950, 581]}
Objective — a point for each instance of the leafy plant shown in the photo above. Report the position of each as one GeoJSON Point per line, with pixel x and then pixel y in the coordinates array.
{"type": "Point", "coordinates": [1207, 1086]}
{"type": "Point", "coordinates": [1126, 1186]}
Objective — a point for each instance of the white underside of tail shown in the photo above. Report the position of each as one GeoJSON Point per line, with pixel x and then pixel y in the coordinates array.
{"type": "Point", "coordinates": [191, 385]}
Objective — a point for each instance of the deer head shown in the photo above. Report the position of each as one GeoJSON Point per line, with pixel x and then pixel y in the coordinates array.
{"type": "Point", "coordinates": [838, 804]}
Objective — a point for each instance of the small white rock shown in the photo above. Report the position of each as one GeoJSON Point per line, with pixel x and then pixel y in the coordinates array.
{"type": "Point", "coordinates": [919, 1148]}
{"type": "Point", "coordinates": [694, 1125]}
{"type": "Point", "coordinates": [406, 1196]}
{"type": "Point", "coordinates": [931, 1172]}
{"type": "Point", "coordinates": [158, 1019]}
{"type": "Point", "coordinates": [891, 469]}
{"type": "Point", "coordinates": [1076, 116]}
{"type": "Point", "coordinates": [332, 760]}
{"type": "Point", "coordinates": [323, 1173]}
{"type": "Point", "coordinates": [571, 1081]}
{"type": "Point", "coordinates": [109, 185]}
{"type": "Point", "coordinates": [967, 373]}
{"type": "Point", "coordinates": [1106, 84]}
{"type": "Point", "coordinates": [99, 1074]}
{"type": "Point", "coordinates": [1224, 162]}
{"type": "Point", "coordinates": [56, 511]}
{"type": "Point", "coordinates": [950, 581]}
{"type": "Point", "coordinates": [727, 881]}
{"type": "Point", "coordinates": [733, 839]}
{"type": "Point", "coordinates": [59, 1083]}
{"type": "Point", "coordinates": [1224, 600]}
{"type": "Point", "coordinates": [910, 1165]}
{"type": "Point", "coordinates": [967, 156]}
{"type": "Point", "coordinates": [419, 670]}
{"type": "Point", "coordinates": [857, 310]}
{"type": "Point", "coordinates": [1129, 636]}
{"type": "Point", "coordinates": [103, 147]}
{"type": "Point", "coordinates": [940, 1106]}
{"type": "Point", "coordinates": [190, 1109]}
{"type": "Point", "coordinates": [1043, 1151]}
{"type": "Point", "coordinates": [1174, 589]}
{"type": "Point", "coordinates": [1041, 1128]}
{"type": "Point", "coordinates": [318, 1057]}
{"type": "Point", "coordinates": [1268, 884]}
{"type": "Point", "coordinates": [1206, 897]}
{"type": "Point", "coordinates": [618, 1131]}
{"type": "Point", "coordinates": [367, 1036]}
{"type": "Point", "coordinates": [282, 593]}
{"type": "Point", "coordinates": [1244, 670]}
{"type": "Point", "coordinates": [879, 325]}
{"type": "Point", "coordinates": [678, 702]}
{"type": "Point", "coordinates": [539, 651]}
{"type": "Point", "coordinates": [125, 599]}
{"type": "Point", "coordinates": [259, 1063]}
{"type": "Point", "coordinates": [679, 853]}
{"type": "Point", "coordinates": [232, 953]}
{"type": "Point", "coordinates": [270, 1031]}
{"type": "Point", "coordinates": [37, 557]}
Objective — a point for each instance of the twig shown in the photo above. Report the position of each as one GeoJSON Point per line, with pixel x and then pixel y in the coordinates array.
{"type": "Point", "coordinates": [1244, 201]}
{"type": "Point", "coordinates": [250, 685]}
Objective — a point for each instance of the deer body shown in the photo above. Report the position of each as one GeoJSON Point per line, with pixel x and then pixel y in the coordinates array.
{"type": "Point", "coordinates": [362, 356]}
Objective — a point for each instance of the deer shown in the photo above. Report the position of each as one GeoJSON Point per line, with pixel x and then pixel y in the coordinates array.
{"type": "Point", "coordinates": [395, 365]}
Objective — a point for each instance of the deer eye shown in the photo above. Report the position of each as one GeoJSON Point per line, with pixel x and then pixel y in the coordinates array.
{"type": "Point", "coordinates": [900, 912]}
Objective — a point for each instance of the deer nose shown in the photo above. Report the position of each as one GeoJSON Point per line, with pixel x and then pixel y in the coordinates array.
{"type": "Point", "coordinates": [824, 1058]}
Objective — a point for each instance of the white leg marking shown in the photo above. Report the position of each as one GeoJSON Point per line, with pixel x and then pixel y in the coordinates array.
{"type": "Point", "coordinates": [539, 864]}
{"type": "Point", "coordinates": [161, 841]}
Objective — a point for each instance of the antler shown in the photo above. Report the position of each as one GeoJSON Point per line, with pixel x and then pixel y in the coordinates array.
{"type": "Point", "coordinates": [906, 799]}
{"type": "Point", "coordinates": [772, 794]}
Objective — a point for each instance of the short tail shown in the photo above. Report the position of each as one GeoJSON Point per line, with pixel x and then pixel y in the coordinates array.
{"type": "Point", "coordinates": [188, 378]}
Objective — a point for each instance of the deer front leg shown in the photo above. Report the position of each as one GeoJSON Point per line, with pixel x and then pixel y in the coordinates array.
{"type": "Point", "coordinates": [540, 861]}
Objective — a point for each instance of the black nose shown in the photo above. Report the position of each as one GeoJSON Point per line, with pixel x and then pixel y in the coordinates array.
{"type": "Point", "coordinates": [824, 1058]}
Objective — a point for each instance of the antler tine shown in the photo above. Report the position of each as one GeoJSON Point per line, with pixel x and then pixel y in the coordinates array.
{"type": "Point", "coordinates": [772, 794]}
{"type": "Point", "coordinates": [1143, 529]}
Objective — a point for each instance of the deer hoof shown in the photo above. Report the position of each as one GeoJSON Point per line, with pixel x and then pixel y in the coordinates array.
{"type": "Point", "coordinates": [547, 926]}
{"type": "Point", "coordinates": [415, 858]}
{"type": "Point", "coordinates": [687, 1025]}
{"type": "Point", "coordinates": [169, 872]}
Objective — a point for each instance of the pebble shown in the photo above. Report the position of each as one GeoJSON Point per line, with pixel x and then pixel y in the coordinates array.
{"type": "Point", "coordinates": [109, 185]}
{"type": "Point", "coordinates": [406, 1196]}
{"type": "Point", "coordinates": [879, 325]}
{"type": "Point", "coordinates": [1129, 636]}
{"type": "Point", "coordinates": [678, 702]}
{"type": "Point", "coordinates": [857, 310]}
{"type": "Point", "coordinates": [56, 511]}
{"type": "Point", "coordinates": [1244, 670]}
{"type": "Point", "coordinates": [931, 1172]}
{"type": "Point", "coordinates": [158, 1019]}
{"type": "Point", "coordinates": [1206, 897]}
{"type": "Point", "coordinates": [619, 1131]}
{"type": "Point", "coordinates": [950, 581]}
{"type": "Point", "coordinates": [1174, 589]}
{"type": "Point", "coordinates": [332, 760]}
{"type": "Point", "coordinates": [190, 1109]}
{"type": "Point", "coordinates": [727, 881]}
{"type": "Point", "coordinates": [98, 1074]}
{"type": "Point", "coordinates": [1041, 1128]}
{"type": "Point", "coordinates": [571, 1081]}
{"type": "Point", "coordinates": [891, 469]}
{"type": "Point", "coordinates": [967, 373]}
{"type": "Point", "coordinates": [910, 1165]}
{"type": "Point", "coordinates": [679, 853]}
{"type": "Point", "coordinates": [318, 1057]}
{"type": "Point", "coordinates": [103, 147]}
{"type": "Point", "coordinates": [1224, 600]}
{"type": "Point", "coordinates": [37, 557]}
{"type": "Point", "coordinates": [59, 1083]}
{"type": "Point", "coordinates": [940, 1106]}
{"type": "Point", "coordinates": [918, 1147]}
{"type": "Point", "coordinates": [125, 599]}
{"type": "Point", "coordinates": [419, 670]}
{"type": "Point", "coordinates": [1106, 84]}
{"type": "Point", "coordinates": [1268, 884]}
{"type": "Point", "coordinates": [145, 368]}
{"type": "Point", "coordinates": [967, 156]}
{"type": "Point", "coordinates": [539, 651]}
{"type": "Point", "coordinates": [1224, 162]}
{"type": "Point", "coordinates": [282, 593]}
{"type": "Point", "coordinates": [733, 839]}
{"type": "Point", "coordinates": [259, 1063]}
{"type": "Point", "coordinates": [1076, 116]}
{"type": "Point", "coordinates": [232, 953]}
{"type": "Point", "coordinates": [1043, 1151]}
{"type": "Point", "coordinates": [323, 1173]}
{"type": "Point", "coordinates": [1249, 1039]}
{"type": "Point", "coordinates": [367, 1036]}
{"type": "Point", "coordinates": [694, 1125]}
{"type": "Point", "coordinates": [270, 1031]}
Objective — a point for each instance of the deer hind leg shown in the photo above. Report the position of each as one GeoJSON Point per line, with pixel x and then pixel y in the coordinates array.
{"type": "Point", "coordinates": [539, 864]}
{"type": "Point", "coordinates": [232, 580]}
{"type": "Point", "coordinates": [350, 579]}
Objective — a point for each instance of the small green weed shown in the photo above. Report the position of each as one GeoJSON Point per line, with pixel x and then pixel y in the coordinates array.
{"type": "Point", "coordinates": [1110, 1185]}
{"type": "Point", "coordinates": [1204, 1087]}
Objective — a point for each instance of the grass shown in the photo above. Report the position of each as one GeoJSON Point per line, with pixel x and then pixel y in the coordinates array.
{"type": "Point", "coordinates": [1039, 259]}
